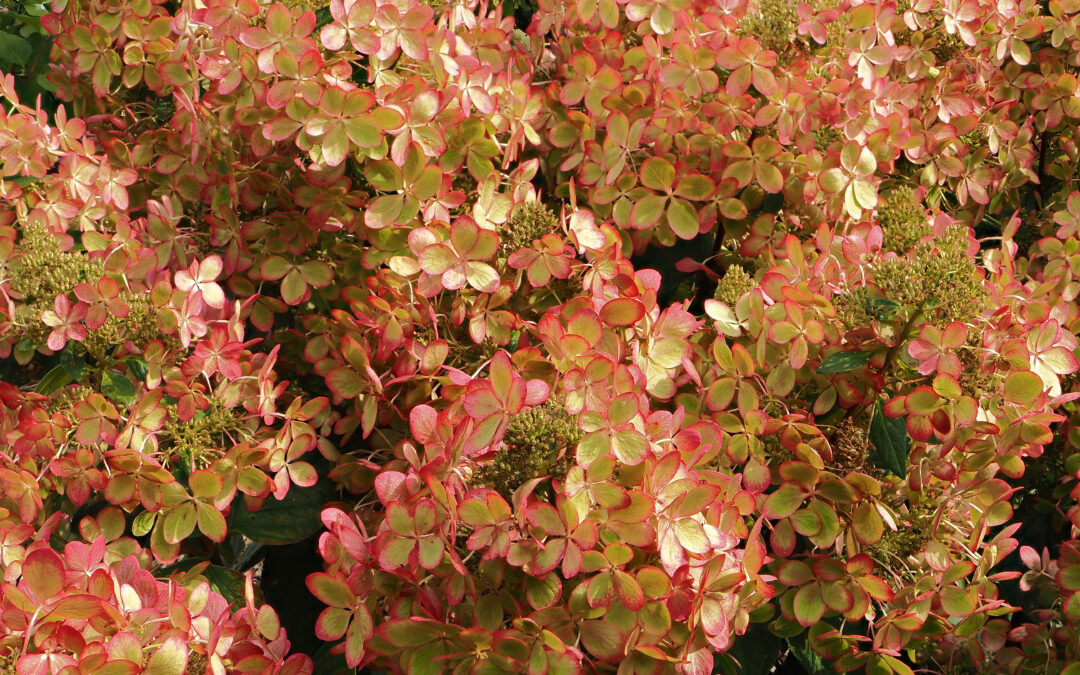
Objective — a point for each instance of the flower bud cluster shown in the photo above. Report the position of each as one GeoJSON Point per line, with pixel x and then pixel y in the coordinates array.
{"type": "Point", "coordinates": [903, 220]}
{"type": "Point", "coordinates": [7, 663]}
{"type": "Point", "coordinates": [140, 326]}
{"type": "Point", "coordinates": [197, 443]}
{"type": "Point", "coordinates": [530, 221]}
{"type": "Point", "coordinates": [733, 285]}
{"type": "Point", "coordinates": [538, 442]}
{"type": "Point", "coordinates": [44, 270]}
{"type": "Point", "coordinates": [908, 539]}
{"type": "Point", "coordinates": [39, 274]}
{"type": "Point", "coordinates": [773, 23]}
{"type": "Point", "coordinates": [938, 278]}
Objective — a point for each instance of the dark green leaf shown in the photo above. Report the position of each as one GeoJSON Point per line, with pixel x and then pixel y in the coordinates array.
{"type": "Point", "coordinates": [427, 660]}
{"type": "Point", "coordinates": [245, 553]}
{"type": "Point", "coordinates": [331, 664]}
{"type": "Point", "coordinates": [23, 181]}
{"type": "Point", "coordinates": [53, 380]}
{"type": "Point", "coordinates": [14, 50]}
{"type": "Point", "coordinates": [229, 583]}
{"type": "Point", "coordinates": [758, 651]}
{"type": "Point", "coordinates": [881, 308]}
{"type": "Point", "coordinates": [44, 84]}
{"type": "Point", "coordinates": [30, 24]}
{"type": "Point", "coordinates": [890, 440]}
{"type": "Point", "coordinates": [72, 363]}
{"type": "Point", "coordinates": [810, 660]}
{"type": "Point", "coordinates": [118, 388]}
{"type": "Point", "coordinates": [137, 366]}
{"type": "Point", "coordinates": [323, 17]}
{"type": "Point", "coordinates": [785, 628]}
{"type": "Point", "coordinates": [35, 9]}
{"type": "Point", "coordinates": [288, 521]}
{"type": "Point", "coordinates": [842, 362]}
{"type": "Point", "coordinates": [24, 350]}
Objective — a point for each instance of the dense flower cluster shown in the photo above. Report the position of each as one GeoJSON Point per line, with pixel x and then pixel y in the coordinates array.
{"type": "Point", "coordinates": [603, 343]}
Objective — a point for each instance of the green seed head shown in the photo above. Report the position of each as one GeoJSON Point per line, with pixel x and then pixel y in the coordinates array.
{"type": "Point", "coordinates": [903, 221]}
{"type": "Point", "coordinates": [774, 23]}
{"type": "Point", "coordinates": [535, 445]}
{"type": "Point", "coordinates": [205, 438]}
{"type": "Point", "coordinates": [734, 284]}
{"type": "Point", "coordinates": [530, 220]}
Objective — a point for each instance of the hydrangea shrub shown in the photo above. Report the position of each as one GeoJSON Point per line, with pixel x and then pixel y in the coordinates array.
{"type": "Point", "coordinates": [646, 336]}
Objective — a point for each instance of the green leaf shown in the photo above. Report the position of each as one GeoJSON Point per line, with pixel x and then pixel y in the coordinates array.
{"type": "Point", "coordinates": [832, 180]}
{"type": "Point", "coordinates": [72, 363]}
{"type": "Point", "coordinates": [657, 173]}
{"type": "Point", "coordinates": [629, 446]}
{"type": "Point", "coordinates": [384, 211]}
{"type": "Point", "coordinates": [293, 287]}
{"type": "Point", "coordinates": [811, 661]}
{"type": "Point", "coordinates": [331, 664]}
{"type": "Point", "coordinates": [647, 211]}
{"type": "Point", "coordinates": [229, 583]}
{"type": "Point", "coordinates": [364, 132]}
{"type": "Point", "coordinates": [479, 166]}
{"type": "Point", "coordinates": [169, 659]}
{"type": "Point", "coordinates": [331, 590]}
{"type": "Point", "coordinates": [323, 18]}
{"type": "Point", "coordinates": [428, 660]}
{"type": "Point", "coordinates": [890, 440]}
{"type": "Point", "coordinates": [180, 523]}
{"type": "Point", "coordinates": [741, 171]}
{"type": "Point", "coordinates": [53, 380]}
{"type": "Point", "coordinates": [604, 639]}
{"type": "Point", "coordinates": [24, 351]}
{"type": "Point", "coordinates": [591, 447]}
{"type": "Point", "coordinates": [809, 606]}
{"type": "Point", "coordinates": [345, 382]}
{"type": "Point", "coordinates": [695, 187]}
{"type": "Point", "coordinates": [622, 312]}
{"type": "Point", "coordinates": [958, 602]}
{"type": "Point", "coordinates": [43, 574]}
{"type": "Point", "coordinates": [683, 219]}
{"type": "Point", "coordinates": [288, 521]}
{"type": "Point", "coordinates": [865, 194]}
{"type": "Point", "coordinates": [211, 522]}
{"type": "Point", "coordinates": [205, 484]}
{"type": "Point", "coordinates": [867, 524]}
{"type": "Point", "coordinates": [118, 388]}
{"type": "Point", "coordinates": [1069, 577]}
{"type": "Point", "coordinates": [758, 651]}
{"type": "Point", "coordinates": [411, 632]}
{"type": "Point", "coordinates": [783, 502]}
{"type": "Point", "coordinates": [481, 276]}
{"type": "Point", "coordinates": [143, 523]}
{"type": "Point", "coordinates": [544, 592]}
{"type": "Point", "coordinates": [881, 309]}
{"type": "Point", "coordinates": [137, 366]}
{"type": "Point", "coordinates": [785, 628]}
{"type": "Point", "coordinates": [14, 50]}
{"type": "Point", "coordinates": [384, 175]}
{"type": "Point", "coordinates": [1023, 387]}
{"type": "Point", "coordinates": [769, 178]}
{"type": "Point", "coordinates": [842, 362]}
